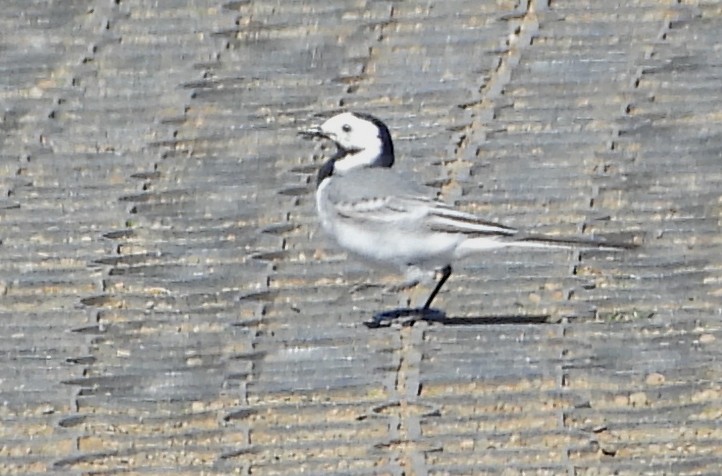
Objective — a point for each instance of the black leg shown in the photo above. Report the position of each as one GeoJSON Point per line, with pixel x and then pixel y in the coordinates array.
{"type": "Point", "coordinates": [445, 273]}
{"type": "Point", "coordinates": [385, 319]}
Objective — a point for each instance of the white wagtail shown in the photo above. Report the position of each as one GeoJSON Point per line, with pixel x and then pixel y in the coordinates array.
{"type": "Point", "coordinates": [377, 214]}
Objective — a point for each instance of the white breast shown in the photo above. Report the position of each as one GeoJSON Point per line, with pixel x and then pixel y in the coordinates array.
{"type": "Point", "coordinates": [323, 207]}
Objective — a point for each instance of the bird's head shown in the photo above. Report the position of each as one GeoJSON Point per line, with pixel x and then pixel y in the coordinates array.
{"type": "Point", "coordinates": [362, 141]}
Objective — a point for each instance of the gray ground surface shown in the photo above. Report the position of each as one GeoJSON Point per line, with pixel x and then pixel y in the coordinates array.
{"type": "Point", "coordinates": [170, 307]}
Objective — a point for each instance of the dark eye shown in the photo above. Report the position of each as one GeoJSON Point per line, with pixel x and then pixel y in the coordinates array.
{"type": "Point", "coordinates": [346, 128]}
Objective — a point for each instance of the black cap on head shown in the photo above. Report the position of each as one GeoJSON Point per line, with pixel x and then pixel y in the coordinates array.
{"type": "Point", "coordinates": [386, 159]}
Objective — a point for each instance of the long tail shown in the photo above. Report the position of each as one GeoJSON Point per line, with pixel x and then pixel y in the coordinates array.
{"type": "Point", "coordinates": [485, 235]}
{"type": "Point", "coordinates": [484, 243]}
{"type": "Point", "coordinates": [543, 241]}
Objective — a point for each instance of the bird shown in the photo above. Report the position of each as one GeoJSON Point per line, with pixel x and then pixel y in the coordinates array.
{"type": "Point", "coordinates": [375, 213]}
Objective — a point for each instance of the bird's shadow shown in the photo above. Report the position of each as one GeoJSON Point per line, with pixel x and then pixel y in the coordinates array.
{"type": "Point", "coordinates": [405, 316]}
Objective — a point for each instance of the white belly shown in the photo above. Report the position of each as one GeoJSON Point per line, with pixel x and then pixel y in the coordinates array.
{"type": "Point", "coordinates": [395, 244]}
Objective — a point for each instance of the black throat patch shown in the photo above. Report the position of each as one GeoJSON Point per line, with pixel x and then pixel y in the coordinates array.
{"type": "Point", "coordinates": [325, 171]}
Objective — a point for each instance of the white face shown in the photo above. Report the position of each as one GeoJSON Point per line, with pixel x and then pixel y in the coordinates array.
{"type": "Point", "coordinates": [353, 133]}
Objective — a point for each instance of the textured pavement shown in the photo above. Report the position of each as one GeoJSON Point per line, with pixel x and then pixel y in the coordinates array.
{"type": "Point", "coordinates": [168, 304]}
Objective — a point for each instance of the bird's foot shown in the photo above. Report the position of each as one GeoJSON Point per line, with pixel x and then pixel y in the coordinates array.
{"type": "Point", "coordinates": [405, 317]}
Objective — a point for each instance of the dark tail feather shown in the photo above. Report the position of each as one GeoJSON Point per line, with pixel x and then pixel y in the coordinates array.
{"type": "Point", "coordinates": [598, 243]}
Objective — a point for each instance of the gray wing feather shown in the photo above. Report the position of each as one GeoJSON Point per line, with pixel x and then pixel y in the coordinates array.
{"type": "Point", "coordinates": [382, 195]}
{"type": "Point", "coordinates": [377, 195]}
{"type": "Point", "coordinates": [371, 183]}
